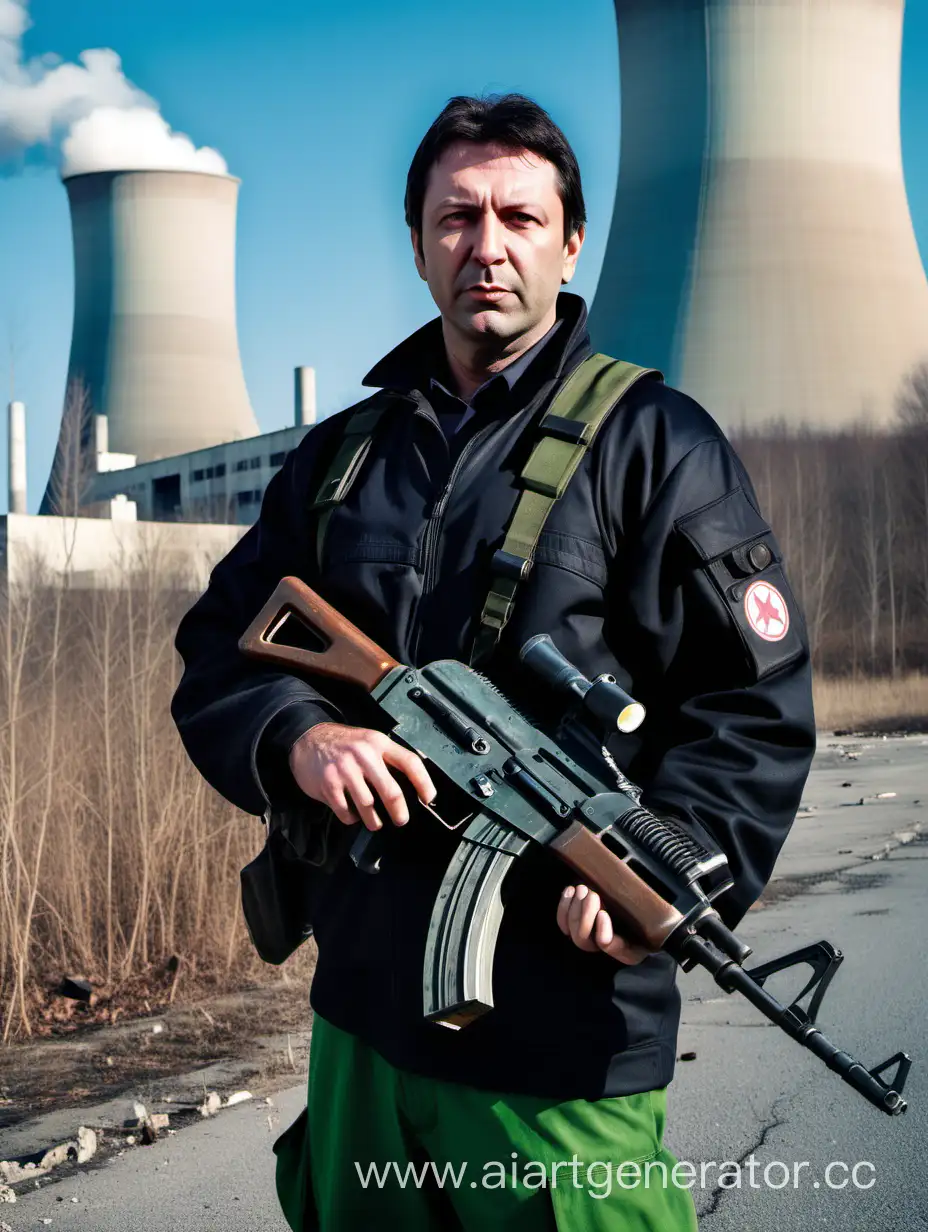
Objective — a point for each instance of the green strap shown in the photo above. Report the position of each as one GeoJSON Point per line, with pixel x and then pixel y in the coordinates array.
{"type": "Point", "coordinates": [344, 467]}
{"type": "Point", "coordinates": [567, 431]}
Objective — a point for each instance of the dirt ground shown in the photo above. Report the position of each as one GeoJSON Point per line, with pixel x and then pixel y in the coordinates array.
{"type": "Point", "coordinates": [257, 1038]}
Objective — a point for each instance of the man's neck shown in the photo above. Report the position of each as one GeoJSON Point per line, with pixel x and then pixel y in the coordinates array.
{"type": "Point", "coordinates": [472, 363]}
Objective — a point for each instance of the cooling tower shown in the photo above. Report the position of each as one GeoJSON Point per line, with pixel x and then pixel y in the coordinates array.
{"type": "Point", "coordinates": [761, 251]}
{"type": "Point", "coordinates": [154, 344]}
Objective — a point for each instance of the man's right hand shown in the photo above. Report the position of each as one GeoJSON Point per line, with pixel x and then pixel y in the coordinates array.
{"type": "Point", "coordinates": [343, 766]}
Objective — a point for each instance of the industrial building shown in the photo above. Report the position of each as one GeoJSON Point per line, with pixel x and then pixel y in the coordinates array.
{"type": "Point", "coordinates": [221, 483]}
{"type": "Point", "coordinates": [761, 252]}
{"type": "Point", "coordinates": [100, 552]}
{"type": "Point", "coordinates": [210, 497]}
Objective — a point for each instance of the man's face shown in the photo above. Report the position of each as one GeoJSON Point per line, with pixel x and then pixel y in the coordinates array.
{"type": "Point", "coordinates": [492, 245]}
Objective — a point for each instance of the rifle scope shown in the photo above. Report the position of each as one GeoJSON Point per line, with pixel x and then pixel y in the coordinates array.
{"type": "Point", "coordinates": [605, 700]}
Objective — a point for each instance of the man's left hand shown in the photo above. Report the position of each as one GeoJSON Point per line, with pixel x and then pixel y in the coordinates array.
{"type": "Point", "coordinates": [580, 916]}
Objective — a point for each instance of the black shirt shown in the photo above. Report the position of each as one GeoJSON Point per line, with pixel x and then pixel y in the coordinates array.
{"type": "Point", "coordinates": [497, 394]}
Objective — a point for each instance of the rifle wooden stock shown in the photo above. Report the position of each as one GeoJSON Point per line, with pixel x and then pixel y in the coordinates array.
{"type": "Point", "coordinates": [628, 899]}
{"type": "Point", "coordinates": [347, 653]}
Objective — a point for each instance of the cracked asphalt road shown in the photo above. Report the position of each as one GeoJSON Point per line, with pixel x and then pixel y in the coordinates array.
{"type": "Point", "coordinates": [751, 1092]}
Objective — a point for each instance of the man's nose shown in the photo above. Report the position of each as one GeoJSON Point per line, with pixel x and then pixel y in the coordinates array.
{"type": "Point", "coordinates": [489, 242]}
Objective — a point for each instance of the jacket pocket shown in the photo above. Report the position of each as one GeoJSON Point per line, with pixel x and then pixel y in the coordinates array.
{"type": "Point", "coordinates": [366, 549]}
{"type": "Point", "coordinates": [737, 554]}
{"type": "Point", "coordinates": [371, 576]}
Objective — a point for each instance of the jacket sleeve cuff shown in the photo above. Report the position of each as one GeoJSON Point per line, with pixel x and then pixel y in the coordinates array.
{"type": "Point", "coordinates": [271, 752]}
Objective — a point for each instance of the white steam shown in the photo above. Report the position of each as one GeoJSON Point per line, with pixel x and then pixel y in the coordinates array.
{"type": "Point", "coordinates": [111, 124]}
{"type": "Point", "coordinates": [137, 139]}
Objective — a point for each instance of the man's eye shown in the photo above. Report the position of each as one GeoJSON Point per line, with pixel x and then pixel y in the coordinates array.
{"type": "Point", "coordinates": [523, 217]}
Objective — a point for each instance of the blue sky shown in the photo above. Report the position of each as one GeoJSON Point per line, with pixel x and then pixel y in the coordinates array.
{"type": "Point", "coordinates": [318, 110]}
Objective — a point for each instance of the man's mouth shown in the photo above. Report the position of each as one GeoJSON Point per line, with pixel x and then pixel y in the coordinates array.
{"type": "Point", "coordinates": [490, 293]}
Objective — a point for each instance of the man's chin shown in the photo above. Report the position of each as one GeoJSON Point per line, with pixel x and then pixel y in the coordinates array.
{"type": "Point", "coordinates": [490, 322]}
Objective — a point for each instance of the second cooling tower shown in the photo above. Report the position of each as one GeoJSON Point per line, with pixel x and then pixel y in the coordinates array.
{"type": "Point", "coordinates": [761, 252]}
{"type": "Point", "coordinates": [154, 343]}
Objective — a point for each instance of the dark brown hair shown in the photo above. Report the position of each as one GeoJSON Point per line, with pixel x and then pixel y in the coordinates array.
{"type": "Point", "coordinates": [509, 120]}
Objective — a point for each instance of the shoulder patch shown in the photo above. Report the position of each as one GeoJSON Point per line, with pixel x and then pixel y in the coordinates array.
{"type": "Point", "coordinates": [767, 611]}
{"type": "Point", "coordinates": [733, 548]}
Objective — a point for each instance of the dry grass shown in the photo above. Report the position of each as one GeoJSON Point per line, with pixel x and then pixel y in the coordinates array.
{"type": "Point", "coordinates": [862, 703]}
{"type": "Point", "coordinates": [117, 861]}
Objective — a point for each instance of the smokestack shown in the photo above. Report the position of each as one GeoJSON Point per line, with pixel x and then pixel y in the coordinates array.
{"type": "Point", "coordinates": [305, 390]}
{"type": "Point", "coordinates": [762, 252]}
{"type": "Point", "coordinates": [101, 440]}
{"type": "Point", "coordinates": [154, 345]}
{"type": "Point", "coordinates": [16, 456]}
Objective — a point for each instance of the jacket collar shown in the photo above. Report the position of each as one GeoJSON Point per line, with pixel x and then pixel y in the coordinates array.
{"type": "Point", "coordinates": [421, 356]}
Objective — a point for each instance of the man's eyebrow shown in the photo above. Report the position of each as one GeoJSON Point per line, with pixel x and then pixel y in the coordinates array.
{"type": "Point", "coordinates": [462, 203]}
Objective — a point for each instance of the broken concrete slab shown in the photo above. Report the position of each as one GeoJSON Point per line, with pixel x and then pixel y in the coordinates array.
{"type": "Point", "coordinates": [82, 1148]}
{"type": "Point", "coordinates": [86, 1144]}
{"type": "Point", "coordinates": [55, 1155]}
{"type": "Point", "coordinates": [210, 1105]}
{"type": "Point", "coordinates": [13, 1172]}
{"type": "Point", "coordinates": [137, 1117]}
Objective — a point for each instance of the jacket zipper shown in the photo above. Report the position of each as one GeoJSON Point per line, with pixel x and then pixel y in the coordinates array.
{"type": "Point", "coordinates": [433, 529]}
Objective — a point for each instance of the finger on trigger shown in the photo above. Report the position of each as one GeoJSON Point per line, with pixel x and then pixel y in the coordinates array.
{"type": "Point", "coordinates": [413, 767]}
{"type": "Point", "coordinates": [390, 793]}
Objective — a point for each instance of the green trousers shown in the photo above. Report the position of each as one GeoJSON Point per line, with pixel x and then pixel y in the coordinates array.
{"type": "Point", "coordinates": [382, 1147]}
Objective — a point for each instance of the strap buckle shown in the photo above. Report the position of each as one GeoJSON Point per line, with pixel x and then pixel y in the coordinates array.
{"type": "Point", "coordinates": [574, 431]}
{"type": "Point", "coordinates": [509, 565]}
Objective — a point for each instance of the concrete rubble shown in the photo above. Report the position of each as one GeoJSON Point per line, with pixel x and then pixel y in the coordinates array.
{"type": "Point", "coordinates": [86, 1144]}
{"type": "Point", "coordinates": [210, 1105]}
{"type": "Point", "coordinates": [143, 1126]}
{"type": "Point", "coordinates": [82, 1148]}
{"type": "Point", "coordinates": [137, 1117]}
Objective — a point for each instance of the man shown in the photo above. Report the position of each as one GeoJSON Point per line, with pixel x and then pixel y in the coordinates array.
{"type": "Point", "coordinates": [638, 572]}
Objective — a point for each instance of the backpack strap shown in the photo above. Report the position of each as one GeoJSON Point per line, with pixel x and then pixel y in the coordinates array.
{"type": "Point", "coordinates": [345, 465]}
{"type": "Point", "coordinates": [566, 432]}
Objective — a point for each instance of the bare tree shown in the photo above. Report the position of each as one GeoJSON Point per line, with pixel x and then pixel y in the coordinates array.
{"type": "Point", "coordinates": [912, 400]}
{"type": "Point", "coordinates": [912, 410]}
{"type": "Point", "coordinates": [73, 470]}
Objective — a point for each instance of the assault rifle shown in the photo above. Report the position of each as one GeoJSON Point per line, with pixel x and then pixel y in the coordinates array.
{"type": "Point", "coordinates": [504, 784]}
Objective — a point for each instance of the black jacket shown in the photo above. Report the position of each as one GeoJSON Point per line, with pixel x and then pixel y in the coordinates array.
{"type": "Point", "coordinates": [641, 571]}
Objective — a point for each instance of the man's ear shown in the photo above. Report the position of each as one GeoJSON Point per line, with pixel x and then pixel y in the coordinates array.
{"type": "Point", "coordinates": [571, 253]}
{"type": "Point", "coordinates": [417, 252]}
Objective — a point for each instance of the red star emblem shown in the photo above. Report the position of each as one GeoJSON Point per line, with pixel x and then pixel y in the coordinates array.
{"type": "Point", "coordinates": [766, 611]}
